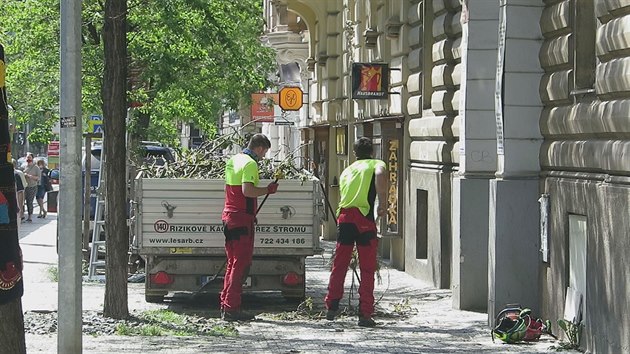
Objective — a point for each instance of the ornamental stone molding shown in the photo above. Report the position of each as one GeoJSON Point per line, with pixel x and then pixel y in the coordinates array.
{"type": "Point", "coordinates": [294, 55]}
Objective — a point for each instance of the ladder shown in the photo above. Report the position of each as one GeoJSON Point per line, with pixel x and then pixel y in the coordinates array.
{"type": "Point", "coordinates": [99, 224]}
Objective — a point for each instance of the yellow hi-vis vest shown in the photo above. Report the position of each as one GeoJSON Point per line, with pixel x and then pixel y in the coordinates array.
{"type": "Point", "coordinates": [357, 186]}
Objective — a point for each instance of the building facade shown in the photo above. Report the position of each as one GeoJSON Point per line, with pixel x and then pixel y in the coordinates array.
{"type": "Point", "coordinates": [506, 130]}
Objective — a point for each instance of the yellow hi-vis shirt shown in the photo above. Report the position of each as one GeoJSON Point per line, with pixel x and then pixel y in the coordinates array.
{"type": "Point", "coordinates": [357, 185]}
{"type": "Point", "coordinates": [239, 169]}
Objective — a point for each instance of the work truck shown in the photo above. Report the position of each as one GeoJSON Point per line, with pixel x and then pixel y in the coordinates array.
{"type": "Point", "coordinates": [177, 231]}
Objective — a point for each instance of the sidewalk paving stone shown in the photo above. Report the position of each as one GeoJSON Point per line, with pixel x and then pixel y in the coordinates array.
{"type": "Point", "coordinates": [429, 324]}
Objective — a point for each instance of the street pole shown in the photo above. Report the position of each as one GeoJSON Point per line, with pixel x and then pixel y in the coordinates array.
{"type": "Point", "coordinates": [87, 194]}
{"type": "Point", "coordinates": [69, 218]}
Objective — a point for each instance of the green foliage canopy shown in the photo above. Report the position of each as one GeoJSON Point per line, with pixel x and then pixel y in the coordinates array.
{"type": "Point", "coordinates": [189, 60]}
{"type": "Point", "coordinates": [30, 33]}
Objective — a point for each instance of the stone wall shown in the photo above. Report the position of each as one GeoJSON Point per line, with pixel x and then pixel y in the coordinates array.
{"type": "Point", "coordinates": [586, 169]}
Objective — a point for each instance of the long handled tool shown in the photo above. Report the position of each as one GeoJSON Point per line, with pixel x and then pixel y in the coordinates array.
{"type": "Point", "coordinates": [210, 281]}
{"type": "Point", "coordinates": [332, 212]}
{"type": "Point", "coordinates": [216, 275]}
{"type": "Point", "coordinates": [265, 199]}
{"type": "Point", "coordinates": [321, 186]}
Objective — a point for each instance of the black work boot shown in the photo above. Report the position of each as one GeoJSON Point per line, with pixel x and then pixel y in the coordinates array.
{"type": "Point", "coordinates": [333, 310]}
{"type": "Point", "coordinates": [231, 316]}
{"type": "Point", "coordinates": [366, 322]}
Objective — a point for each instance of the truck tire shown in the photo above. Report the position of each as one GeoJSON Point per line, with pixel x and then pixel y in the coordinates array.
{"type": "Point", "coordinates": [293, 297]}
{"type": "Point", "coordinates": [135, 263]}
{"type": "Point", "coordinates": [297, 295]}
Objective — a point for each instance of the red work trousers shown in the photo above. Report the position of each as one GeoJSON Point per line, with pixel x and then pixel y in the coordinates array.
{"type": "Point", "coordinates": [354, 228]}
{"type": "Point", "coordinates": [238, 229]}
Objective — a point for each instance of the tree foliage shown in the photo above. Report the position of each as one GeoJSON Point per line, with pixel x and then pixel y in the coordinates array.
{"type": "Point", "coordinates": [209, 54]}
{"type": "Point", "coordinates": [30, 32]}
{"type": "Point", "coordinates": [189, 60]}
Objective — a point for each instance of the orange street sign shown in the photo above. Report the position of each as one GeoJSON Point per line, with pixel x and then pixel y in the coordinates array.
{"type": "Point", "coordinates": [290, 98]}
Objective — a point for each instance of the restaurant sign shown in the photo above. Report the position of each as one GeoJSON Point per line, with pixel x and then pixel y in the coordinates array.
{"type": "Point", "coordinates": [370, 81]}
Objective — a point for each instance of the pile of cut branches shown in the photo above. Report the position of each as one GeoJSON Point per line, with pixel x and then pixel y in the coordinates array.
{"type": "Point", "coordinates": [208, 162]}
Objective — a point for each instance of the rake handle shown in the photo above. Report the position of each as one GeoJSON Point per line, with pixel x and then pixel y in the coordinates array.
{"type": "Point", "coordinates": [265, 199]}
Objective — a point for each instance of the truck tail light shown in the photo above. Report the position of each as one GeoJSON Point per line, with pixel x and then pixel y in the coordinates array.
{"type": "Point", "coordinates": [292, 279]}
{"type": "Point", "coordinates": [161, 278]}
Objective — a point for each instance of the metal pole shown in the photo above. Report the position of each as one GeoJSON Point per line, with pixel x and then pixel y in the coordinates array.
{"type": "Point", "coordinates": [87, 192]}
{"type": "Point", "coordinates": [69, 218]}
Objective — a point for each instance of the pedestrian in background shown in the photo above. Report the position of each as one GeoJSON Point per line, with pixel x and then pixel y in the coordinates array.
{"type": "Point", "coordinates": [43, 187]}
{"type": "Point", "coordinates": [32, 174]}
{"type": "Point", "coordinates": [359, 184]}
{"type": "Point", "coordinates": [20, 184]}
{"type": "Point", "coordinates": [239, 216]}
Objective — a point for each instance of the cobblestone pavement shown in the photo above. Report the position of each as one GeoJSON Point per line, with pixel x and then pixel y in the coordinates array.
{"type": "Point", "coordinates": [413, 316]}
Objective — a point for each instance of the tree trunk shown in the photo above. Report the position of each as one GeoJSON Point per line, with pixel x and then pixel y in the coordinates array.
{"type": "Point", "coordinates": [115, 112]}
{"type": "Point", "coordinates": [11, 286]}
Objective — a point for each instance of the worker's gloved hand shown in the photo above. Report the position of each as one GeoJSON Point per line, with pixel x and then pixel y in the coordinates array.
{"type": "Point", "coordinates": [272, 188]}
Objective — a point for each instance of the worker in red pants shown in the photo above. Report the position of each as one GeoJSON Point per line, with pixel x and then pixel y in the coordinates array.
{"type": "Point", "coordinates": [359, 184]}
{"type": "Point", "coordinates": [239, 215]}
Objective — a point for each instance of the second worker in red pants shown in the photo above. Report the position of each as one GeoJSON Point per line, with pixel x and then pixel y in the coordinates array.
{"type": "Point", "coordinates": [239, 215]}
{"type": "Point", "coordinates": [359, 184]}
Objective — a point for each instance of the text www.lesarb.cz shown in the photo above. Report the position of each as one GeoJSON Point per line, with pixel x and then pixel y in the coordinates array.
{"type": "Point", "coordinates": [188, 240]}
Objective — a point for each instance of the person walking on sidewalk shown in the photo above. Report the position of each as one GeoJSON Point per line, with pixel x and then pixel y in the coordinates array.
{"type": "Point", "coordinates": [20, 184]}
{"type": "Point", "coordinates": [32, 174]}
{"type": "Point", "coordinates": [239, 217]}
{"type": "Point", "coordinates": [43, 187]}
{"type": "Point", "coordinates": [359, 184]}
